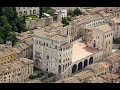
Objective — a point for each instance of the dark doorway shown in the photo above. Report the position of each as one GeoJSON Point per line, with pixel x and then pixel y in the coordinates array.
{"type": "Point", "coordinates": [91, 60]}
{"type": "Point", "coordinates": [85, 63]}
{"type": "Point", "coordinates": [74, 68]}
{"type": "Point", "coordinates": [80, 66]}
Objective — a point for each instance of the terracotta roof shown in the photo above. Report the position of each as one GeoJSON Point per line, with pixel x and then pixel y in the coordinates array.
{"type": "Point", "coordinates": [71, 80]}
{"type": "Point", "coordinates": [84, 74]}
{"type": "Point", "coordinates": [14, 65]}
{"type": "Point", "coordinates": [6, 51]}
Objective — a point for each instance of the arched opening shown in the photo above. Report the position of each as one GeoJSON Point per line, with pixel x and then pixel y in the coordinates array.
{"type": "Point", "coordinates": [74, 68]}
{"type": "Point", "coordinates": [20, 13]}
{"type": "Point", "coordinates": [30, 12]}
{"type": "Point", "coordinates": [80, 66]}
{"type": "Point", "coordinates": [91, 60]}
{"type": "Point", "coordinates": [25, 13]}
{"type": "Point", "coordinates": [34, 11]}
{"type": "Point", "coordinates": [59, 69]}
{"type": "Point", "coordinates": [85, 63]}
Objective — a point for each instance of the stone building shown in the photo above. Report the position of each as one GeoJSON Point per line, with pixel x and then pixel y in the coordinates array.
{"type": "Point", "coordinates": [25, 11]}
{"type": "Point", "coordinates": [99, 68]}
{"type": "Point", "coordinates": [7, 54]}
{"type": "Point", "coordinates": [115, 24]}
{"type": "Point", "coordinates": [45, 21]}
{"type": "Point", "coordinates": [101, 38]}
{"type": "Point", "coordinates": [52, 52]}
{"type": "Point", "coordinates": [61, 13]}
{"type": "Point", "coordinates": [17, 71]}
{"type": "Point", "coordinates": [114, 59]}
{"type": "Point", "coordinates": [25, 45]}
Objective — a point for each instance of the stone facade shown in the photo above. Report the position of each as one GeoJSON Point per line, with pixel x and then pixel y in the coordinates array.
{"type": "Point", "coordinates": [51, 52]}
{"type": "Point", "coordinates": [17, 71]}
{"type": "Point", "coordinates": [21, 11]}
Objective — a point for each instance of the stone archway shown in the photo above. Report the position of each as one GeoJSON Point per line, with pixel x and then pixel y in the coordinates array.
{"type": "Point", "coordinates": [91, 60]}
{"type": "Point", "coordinates": [80, 66]}
{"type": "Point", "coordinates": [74, 68]}
{"type": "Point", "coordinates": [85, 63]}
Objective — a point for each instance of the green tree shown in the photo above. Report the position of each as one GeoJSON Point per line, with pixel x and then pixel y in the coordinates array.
{"type": "Point", "coordinates": [77, 12]}
{"type": "Point", "coordinates": [1, 11]}
{"type": "Point", "coordinates": [70, 13]}
{"type": "Point", "coordinates": [1, 40]}
{"type": "Point", "coordinates": [65, 21]}
{"type": "Point", "coordinates": [3, 20]}
{"type": "Point", "coordinates": [13, 38]}
{"type": "Point", "coordinates": [9, 13]}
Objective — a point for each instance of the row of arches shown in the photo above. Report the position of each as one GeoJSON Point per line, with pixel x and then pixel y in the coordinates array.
{"type": "Point", "coordinates": [32, 12]}
{"type": "Point", "coordinates": [81, 65]}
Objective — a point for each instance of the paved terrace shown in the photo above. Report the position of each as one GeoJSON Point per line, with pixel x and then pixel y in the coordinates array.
{"type": "Point", "coordinates": [80, 50]}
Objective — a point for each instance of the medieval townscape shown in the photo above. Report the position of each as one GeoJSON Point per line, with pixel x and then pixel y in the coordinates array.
{"type": "Point", "coordinates": [59, 44]}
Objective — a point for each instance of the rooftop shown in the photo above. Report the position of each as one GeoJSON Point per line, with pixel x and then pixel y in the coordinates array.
{"type": "Point", "coordinates": [50, 35]}
{"type": "Point", "coordinates": [86, 18]}
{"type": "Point", "coordinates": [80, 50]}
{"type": "Point", "coordinates": [97, 80]}
{"type": "Point", "coordinates": [104, 28]}
{"type": "Point", "coordinates": [6, 51]}
{"type": "Point", "coordinates": [100, 66]}
{"type": "Point", "coordinates": [24, 35]}
{"type": "Point", "coordinates": [84, 74]}
{"type": "Point", "coordinates": [71, 80]}
{"type": "Point", "coordinates": [104, 14]}
{"type": "Point", "coordinates": [21, 46]}
{"type": "Point", "coordinates": [14, 65]}
{"type": "Point", "coordinates": [114, 57]}
{"type": "Point", "coordinates": [116, 20]}
{"type": "Point", "coordinates": [110, 76]}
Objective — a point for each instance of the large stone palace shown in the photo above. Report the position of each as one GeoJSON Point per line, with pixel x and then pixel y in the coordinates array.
{"type": "Point", "coordinates": [86, 40]}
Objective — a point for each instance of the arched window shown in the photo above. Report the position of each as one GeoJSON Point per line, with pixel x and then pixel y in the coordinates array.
{"type": "Point", "coordinates": [80, 66]}
{"type": "Point", "coordinates": [34, 11]}
{"type": "Point", "coordinates": [30, 12]}
{"type": "Point", "coordinates": [74, 68]}
{"type": "Point", "coordinates": [85, 63]}
{"type": "Point", "coordinates": [59, 69]}
{"type": "Point", "coordinates": [20, 13]}
{"type": "Point", "coordinates": [25, 13]}
{"type": "Point", "coordinates": [91, 60]}
{"type": "Point", "coordinates": [47, 57]}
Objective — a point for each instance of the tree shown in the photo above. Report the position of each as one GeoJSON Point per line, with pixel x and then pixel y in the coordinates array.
{"type": "Point", "coordinates": [1, 40]}
{"type": "Point", "coordinates": [9, 13]}
{"type": "Point", "coordinates": [70, 13]}
{"type": "Point", "coordinates": [1, 11]}
{"type": "Point", "coordinates": [3, 20]}
{"type": "Point", "coordinates": [65, 21]}
{"type": "Point", "coordinates": [10, 23]}
{"type": "Point", "coordinates": [77, 12]}
{"type": "Point", "coordinates": [13, 38]}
